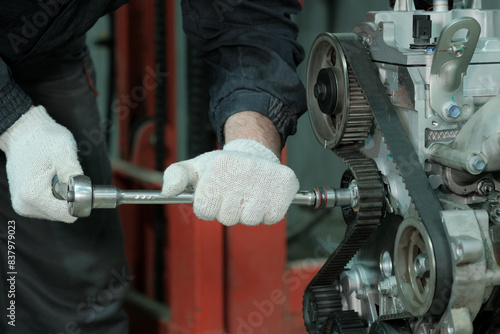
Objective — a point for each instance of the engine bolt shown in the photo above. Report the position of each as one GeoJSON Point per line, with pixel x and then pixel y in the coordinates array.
{"type": "Point", "coordinates": [451, 109]}
{"type": "Point", "coordinates": [476, 164]}
{"type": "Point", "coordinates": [495, 214]}
{"type": "Point", "coordinates": [485, 187]}
{"type": "Point", "coordinates": [480, 164]}
{"type": "Point", "coordinates": [361, 294]}
{"type": "Point", "coordinates": [421, 264]}
{"type": "Point", "coordinates": [320, 91]}
{"type": "Point", "coordinates": [385, 287]}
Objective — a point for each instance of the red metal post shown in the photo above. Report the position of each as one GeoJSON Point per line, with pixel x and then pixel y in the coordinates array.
{"type": "Point", "coordinates": [122, 65]}
{"type": "Point", "coordinates": [196, 273]}
{"type": "Point", "coordinates": [195, 248]}
{"type": "Point", "coordinates": [255, 291]}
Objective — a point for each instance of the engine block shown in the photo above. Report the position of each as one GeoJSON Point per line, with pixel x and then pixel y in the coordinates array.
{"type": "Point", "coordinates": [434, 94]}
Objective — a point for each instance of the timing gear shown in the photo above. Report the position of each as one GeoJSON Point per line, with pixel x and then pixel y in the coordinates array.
{"type": "Point", "coordinates": [318, 303]}
{"type": "Point", "coordinates": [338, 110]}
{"type": "Point", "coordinates": [345, 322]}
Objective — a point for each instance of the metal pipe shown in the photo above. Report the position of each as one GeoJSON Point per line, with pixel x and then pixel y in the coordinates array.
{"type": "Point", "coordinates": [111, 197]}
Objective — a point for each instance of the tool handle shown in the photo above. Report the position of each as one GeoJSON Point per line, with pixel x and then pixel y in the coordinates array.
{"type": "Point", "coordinates": [155, 197]}
{"type": "Point", "coordinates": [82, 197]}
{"type": "Point", "coordinates": [110, 197]}
{"type": "Point", "coordinates": [105, 197]}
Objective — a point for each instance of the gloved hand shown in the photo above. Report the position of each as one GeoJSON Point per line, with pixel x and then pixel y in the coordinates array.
{"type": "Point", "coordinates": [37, 148]}
{"type": "Point", "coordinates": [245, 182]}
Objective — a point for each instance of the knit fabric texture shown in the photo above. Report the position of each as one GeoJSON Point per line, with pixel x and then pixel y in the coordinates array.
{"type": "Point", "coordinates": [245, 182]}
{"type": "Point", "coordinates": [37, 149]}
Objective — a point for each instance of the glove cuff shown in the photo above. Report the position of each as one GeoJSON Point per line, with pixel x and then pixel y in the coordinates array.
{"type": "Point", "coordinates": [251, 146]}
{"type": "Point", "coordinates": [28, 122]}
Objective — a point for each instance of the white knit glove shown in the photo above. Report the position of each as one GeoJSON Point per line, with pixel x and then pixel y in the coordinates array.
{"type": "Point", "coordinates": [245, 182]}
{"type": "Point", "coordinates": [37, 148]}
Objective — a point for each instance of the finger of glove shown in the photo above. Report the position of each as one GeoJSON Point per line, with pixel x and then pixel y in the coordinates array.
{"type": "Point", "coordinates": [33, 159]}
{"type": "Point", "coordinates": [178, 176]}
{"type": "Point", "coordinates": [54, 210]}
{"type": "Point", "coordinates": [207, 206]}
{"type": "Point", "coordinates": [35, 200]}
{"type": "Point", "coordinates": [276, 213]}
{"type": "Point", "coordinates": [275, 198]}
{"type": "Point", "coordinates": [280, 206]}
{"type": "Point", "coordinates": [267, 213]}
{"type": "Point", "coordinates": [230, 211]}
{"type": "Point", "coordinates": [66, 162]}
{"type": "Point", "coordinates": [252, 216]}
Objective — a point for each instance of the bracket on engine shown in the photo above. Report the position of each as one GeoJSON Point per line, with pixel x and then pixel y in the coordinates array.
{"type": "Point", "coordinates": [454, 51]}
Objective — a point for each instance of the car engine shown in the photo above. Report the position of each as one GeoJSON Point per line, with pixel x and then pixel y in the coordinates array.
{"type": "Point", "coordinates": [410, 102]}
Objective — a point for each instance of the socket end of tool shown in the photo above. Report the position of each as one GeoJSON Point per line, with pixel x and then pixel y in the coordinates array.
{"type": "Point", "coordinates": [79, 196]}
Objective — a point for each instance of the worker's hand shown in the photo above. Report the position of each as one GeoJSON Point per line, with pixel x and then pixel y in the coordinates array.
{"type": "Point", "coordinates": [37, 148]}
{"type": "Point", "coordinates": [245, 182]}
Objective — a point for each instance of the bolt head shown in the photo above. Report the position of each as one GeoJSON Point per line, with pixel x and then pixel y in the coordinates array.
{"type": "Point", "coordinates": [480, 164]}
{"type": "Point", "coordinates": [320, 91]}
{"type": "Point", "coordinates": [451, 110]}
{"type": "Point", "coordinates": [361, 294]}
{"type": "Point", "coordinates": [384, 287]}
{"type": "Point", "coordinates": [485, 187]}
{"type": "Point", "coordinates": [476, 164]}
{"type": "Point", "coordinates": [495, 213]}
{"type": "Point", "coordinates": [454, 111]}
{"type": "Point", "coordinates": [421, 265]}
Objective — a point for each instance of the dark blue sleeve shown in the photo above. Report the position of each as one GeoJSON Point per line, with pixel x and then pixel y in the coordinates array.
{"type": "Point", "coordinates": [252, 49]}
{"type": "Point", "coordinates": [13, 100]}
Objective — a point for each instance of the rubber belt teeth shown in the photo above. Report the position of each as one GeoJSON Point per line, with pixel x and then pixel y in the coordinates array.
{"type": "Point", "coordinates": [345, 322]}
{"type": "Point", "coordinates": [360, 118]}
{"type": "Point", "coordinates": [368, 214]}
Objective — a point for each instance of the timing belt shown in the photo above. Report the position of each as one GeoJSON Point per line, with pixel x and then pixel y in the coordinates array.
{"type": "Point", "coordinates": [406, 159]}
{"type": "Point", "coordinates": [321, 298]}
{"type": "Point", "coordinates": [367, 216]}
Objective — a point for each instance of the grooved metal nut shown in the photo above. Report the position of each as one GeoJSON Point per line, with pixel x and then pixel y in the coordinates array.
{"type": "Point", "coordinates": [485, 187]}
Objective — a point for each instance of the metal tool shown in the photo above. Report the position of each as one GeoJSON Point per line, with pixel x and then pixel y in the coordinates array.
{"type": "Point", "coordinates": [82, 196]}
